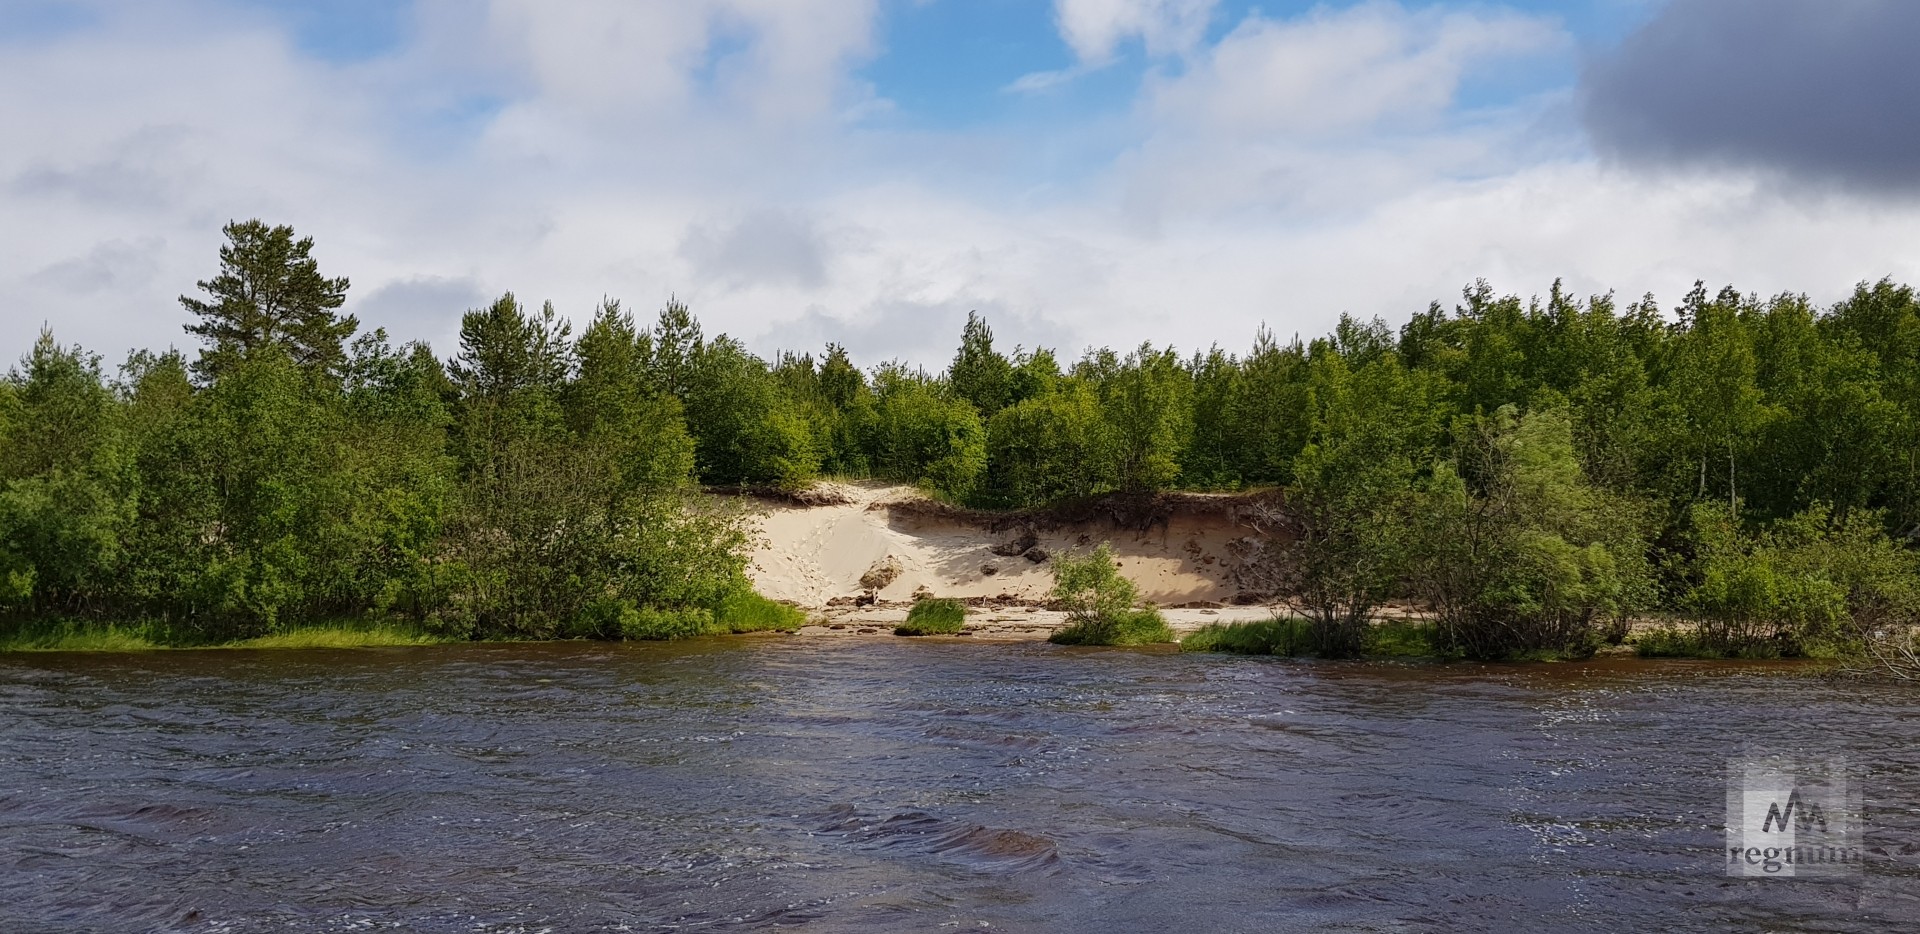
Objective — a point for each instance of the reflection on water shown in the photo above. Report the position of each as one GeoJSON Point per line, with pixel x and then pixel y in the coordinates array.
{"type": "Point", "coordinates": [843, 785]}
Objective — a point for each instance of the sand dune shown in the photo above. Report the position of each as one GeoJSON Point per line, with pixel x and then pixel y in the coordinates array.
{"type": "Point", "coordinates": [887, 543]}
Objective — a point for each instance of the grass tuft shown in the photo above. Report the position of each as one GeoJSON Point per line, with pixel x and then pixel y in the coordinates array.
{"type": "Point", "coordinates": [746, 611]}
{"type": "Point", "coordinates": [933, 616]}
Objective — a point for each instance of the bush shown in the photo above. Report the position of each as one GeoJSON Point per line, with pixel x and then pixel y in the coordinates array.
{"type": "Point", "coordinates": [932, 616]}
{"type": "Point", "coordinates": [1144, 626]}
{"type": "Point", "coordinates": [740, 610]}
{"type": "Point", "coordinates": [1090, 587]}
{"type": "Point", "coordinates": [1805, 585]}
{"type": "Point", "coordinates": [1518, 554]}
{"type": "Point", "coordinates": [1100, 603]}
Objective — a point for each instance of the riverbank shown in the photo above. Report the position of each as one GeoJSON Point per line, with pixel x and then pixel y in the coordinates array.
{"type": "Point", "coordinates": [67, 636]}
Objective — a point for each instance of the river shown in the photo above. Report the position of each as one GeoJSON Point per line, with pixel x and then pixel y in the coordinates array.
{"type": "Point", "coordinates": [889, 785]}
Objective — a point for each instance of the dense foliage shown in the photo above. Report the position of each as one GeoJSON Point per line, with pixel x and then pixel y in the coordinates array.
{"type": "Point", "coordinates": [1534, 471]}
{"type": "Point", "coordinates": [533, 486]}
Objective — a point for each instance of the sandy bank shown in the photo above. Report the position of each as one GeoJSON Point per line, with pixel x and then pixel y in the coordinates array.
{"type": "Point", "coordinates": [857, 561]}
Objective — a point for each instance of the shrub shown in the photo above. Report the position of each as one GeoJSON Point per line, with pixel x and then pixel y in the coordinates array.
{"type": "Point", "coordinates": [1143, 626]}
{"type": "Point", "coordinates": [1100, 603]}
{"type": "Point", "coordinates": [1804, 585]}
{"type": "Point", "coordinates": [1518, 554]}
{"type": "Point", "coordinates": [1090, 587]}
{"type": "Point", "coordinates": [740, 610]}
{"type": "Point", "coordinates": [934, 617]}
{"type": "Point", "coordinates": [1675, 642]}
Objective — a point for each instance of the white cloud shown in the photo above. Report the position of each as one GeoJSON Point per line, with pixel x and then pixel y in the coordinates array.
{"type": "Point", "coordinates": [1341, 71]}
{"type": "Point", "coordinates": [1095, 28]}
{"type": "Point", "coordinates": [1293, 170]}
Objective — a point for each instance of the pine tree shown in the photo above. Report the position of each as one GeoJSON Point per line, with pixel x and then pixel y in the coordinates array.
{"type": "Point", "coordinates": [269, 292]}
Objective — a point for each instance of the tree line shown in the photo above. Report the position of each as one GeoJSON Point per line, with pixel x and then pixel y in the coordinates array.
{"type": "Point", "coordinates": [1535, 470]}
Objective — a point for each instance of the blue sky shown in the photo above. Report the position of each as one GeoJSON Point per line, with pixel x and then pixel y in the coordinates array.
{"type": "Point", "coordinates": [868, 171]}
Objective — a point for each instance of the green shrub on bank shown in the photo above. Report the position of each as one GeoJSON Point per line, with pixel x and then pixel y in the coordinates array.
{"type": "Point", "coordinates": [1100, 603]}
{"type": "Point", "coordinates": [739, 610]}
{"type": "Point", "coordinates": [1403, 638]}
{"type": "Point", "coordinates": [651, 624]}
{"type": "Point", "coordinates": [1144, 626]}
{"type": "Point", "coordinates": [934, 616]}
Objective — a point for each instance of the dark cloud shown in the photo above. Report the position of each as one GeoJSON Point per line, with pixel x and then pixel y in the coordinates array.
{"type": "Point", "coordinates": [115, 264]}
{"type": "Point", "coordinates": [764, 248]}
{"type": "Point", "coordinates": [421, 308]}
{"type": "Point", "coordinates": [145, 169]}
{"type": "Point", "coordinates": [1822, 90]}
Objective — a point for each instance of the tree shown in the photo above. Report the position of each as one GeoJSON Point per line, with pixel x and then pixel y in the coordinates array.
{"type": "Point", "coordinates": [1514, 551]}
{"type": "Point", "coordinates": [1712, 381]}
{"type": "Point", "coordinates": [66, 499]}
{"type": "Point", "coordinates": [1048, 448]}
{"type": "Point", "coordinates": [1219, 436]}
{"type": "Point", "coordinates": [979, 374]}
{"type": "Point", "coordinates": [1338, 547]}
{"type": "Point", "coordinates": [1147, 400]}
{"type": "Point", "coordinates": [922, 435]}
{"type": "Point", "coordinates": [745, 432]}
{"type": "Point", "coordinates": [269, 293]}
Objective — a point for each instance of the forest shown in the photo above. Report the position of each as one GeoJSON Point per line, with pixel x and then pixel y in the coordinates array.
{"type": "Point", "coordinates": [1533, 472]}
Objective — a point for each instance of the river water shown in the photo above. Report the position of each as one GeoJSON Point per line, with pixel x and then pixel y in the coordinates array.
{"type": "Point", "coordinates": [887, 785]}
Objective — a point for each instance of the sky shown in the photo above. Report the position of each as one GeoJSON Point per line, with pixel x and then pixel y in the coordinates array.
{"type": "Point", "coordinates": [1082, 172]}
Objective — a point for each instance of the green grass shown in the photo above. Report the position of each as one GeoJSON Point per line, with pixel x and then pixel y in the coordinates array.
{"type": "Point", "coordinates": [72, 636]}
{"type": "Point", "coordinates": [1277, 636]}
{"type": "Point", "coordinates": [1132, 627]}
{"type": "Point", "coordinates": [1292, 637]}
{"type": "Point", "coordinates": [1402, 638]}
{"type": "Point", "coordinates": [66, 636]}
{"type": "Point", "coordinates": [933, 616]}
{"type": "Point", "coordinates": [338, 637]}
{"type": "Point", "coordinates": [745, 611]}
{"type": "Point", "coordinates": [740, 612]}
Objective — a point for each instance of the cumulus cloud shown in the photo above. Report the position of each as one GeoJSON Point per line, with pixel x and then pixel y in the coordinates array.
{"type": "Point", "coordinates": [1291, 170]}
{"type": "Point", "coordinates": [781, 59]}
{"type": "Point", "coordinates": [1822, 92]}
{"type": "Point", "coordinates": [1335, 71]}
{"type": "Point", "coordinates": [1334, 113]}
